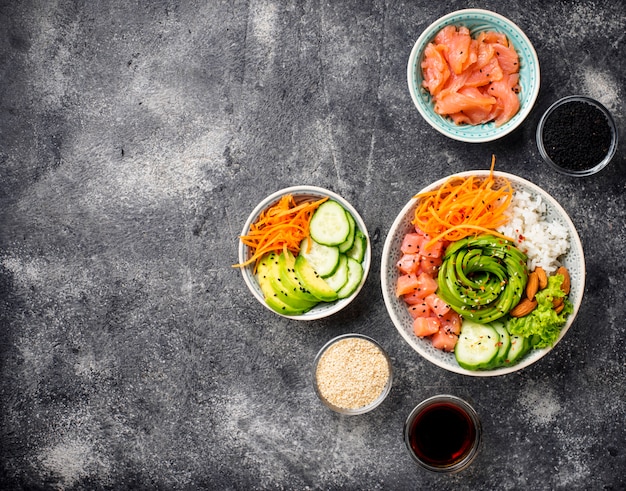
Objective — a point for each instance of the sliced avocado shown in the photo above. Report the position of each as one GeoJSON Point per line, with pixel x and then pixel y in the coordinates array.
{"type": "Point", "coordinates": [312, 281]}
{"type": "Point", "coordinates": [281, 307]}
{"type": "Point", "coordinates": [282, 292]}
{"type": "Point", "coordinates": [289, 279]}
{"type": "Point", "coordinates": [264, 276]}
{"type": "Point", "coordinates": [263, 272]}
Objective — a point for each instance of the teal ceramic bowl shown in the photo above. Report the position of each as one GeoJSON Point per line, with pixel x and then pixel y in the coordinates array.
{"type": "Point", "coordinates": [476, 20]}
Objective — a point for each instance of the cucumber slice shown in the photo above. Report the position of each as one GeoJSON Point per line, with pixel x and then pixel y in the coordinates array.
{"type": "Point", "coordinates": [340, 277]}
{"type": "Point", "coordinates": [477, 346]}
{"type": "Point", "coordinates": [357, 251]}
{"type": "Point", "coordinates": [322, 258]}
{"type": "Point", "coordinates": [519, 347]}
{"type": "Point", "coordinates": [355, 275]}
{"type": "Point", "coordinates": [329, 224]}
{"type": "Point", "coordinates": [349, 242]}
{"type": "Point", "coordinates": [505, 344]}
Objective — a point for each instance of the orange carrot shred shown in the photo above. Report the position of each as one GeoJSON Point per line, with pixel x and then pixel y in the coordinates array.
{"type": "Point", "coordinates": [280, 227]}
{"type": "Point", "coordinates": [464, 206]}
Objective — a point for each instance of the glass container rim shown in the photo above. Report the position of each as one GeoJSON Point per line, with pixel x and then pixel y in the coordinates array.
{"type": "Point", "coordinates": [364, 409]}
{"type": "Point", "coordinates": [612, 126]}
{"type": "Point", "coordinates": [471, 413]}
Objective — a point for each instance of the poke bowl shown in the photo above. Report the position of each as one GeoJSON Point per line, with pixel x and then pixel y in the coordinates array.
{"type": "Point", "coordinates": [318, 279]}
{"type": "Point", "coordinates": [549, 216]}
{"type": "Point", "coordinates": [477, 22]}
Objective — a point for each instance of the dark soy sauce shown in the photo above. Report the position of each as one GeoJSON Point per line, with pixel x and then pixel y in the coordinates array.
{"type": "Point", "coordinates": [442, 434]}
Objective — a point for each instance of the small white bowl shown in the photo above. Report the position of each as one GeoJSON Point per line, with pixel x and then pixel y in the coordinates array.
{"type": "Point", "coordinates": [476, 20]}
{"type": "Point", "coordinates": [303, 193]}
{"type": "Point", "coordinates": [573, 260]}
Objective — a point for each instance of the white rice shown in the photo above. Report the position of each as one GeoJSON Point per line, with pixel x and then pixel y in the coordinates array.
{"type": "Point", "coordinates": [543, 241]}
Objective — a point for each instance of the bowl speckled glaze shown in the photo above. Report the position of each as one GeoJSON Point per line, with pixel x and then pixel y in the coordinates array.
{"type": "Point", "coordinates": [573, 260]}
{"type": "Point", "coordinates": [476, 20]}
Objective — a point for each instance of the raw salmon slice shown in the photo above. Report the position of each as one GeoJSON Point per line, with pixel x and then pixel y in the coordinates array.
{"type": "Point", "coordinates": [505, 92]}
{"type": "Point", "coordinates": [507, 57]}
{"type": "Point", "coordinates": [472, 81]}
{"type": "Point", "coordinates": [464, 99]}
{"type": "Point", "coordinates": [490, 72]}
{"type": "Point", "coordinates": [435, 69]}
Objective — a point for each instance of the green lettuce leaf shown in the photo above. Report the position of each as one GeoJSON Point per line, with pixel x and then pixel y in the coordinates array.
{"type": "Point", "coordinates": [543, 325]}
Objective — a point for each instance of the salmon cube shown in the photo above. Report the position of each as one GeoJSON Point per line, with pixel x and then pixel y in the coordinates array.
{"type": "Point", "coordinates": [451, 322]}
{"type": "Point", "coordinates": [413, 298]}
{"type": "Point", "coordinates": [425, 326]}
{"type": "Point", "coordinates": [420, 310]}
{"type": "Point", "coordinates": [407, 283]}
{"type": "Point", "coordinates": [416, 288]}
{"type": "Point", "coordinates": [430, 264]}
{"type": "Point", "coordinates": [433, 250]}
{"type": "Point", "coordinates": [411, 243]}
{"type": "Point", "coordinates": [437, 305]}
{"type": "Point", "coordinates": [444, 340]}
{"type": "Point", "coordinates": [427, 284]}
{"type": "Point", "coordinates": [409, 264]}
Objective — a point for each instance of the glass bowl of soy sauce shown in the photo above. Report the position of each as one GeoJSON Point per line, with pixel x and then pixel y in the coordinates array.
{"type": "Point", "coordinates": [577, 136]}
{"type": "Point", "coordinates": [443, 434]}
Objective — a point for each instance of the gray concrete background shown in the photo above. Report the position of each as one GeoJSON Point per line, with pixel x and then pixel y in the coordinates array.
{"type": "Point", "coordinates": [135, 139]}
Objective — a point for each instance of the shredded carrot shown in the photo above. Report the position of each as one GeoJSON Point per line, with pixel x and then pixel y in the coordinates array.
{"type": "Point", "coordinates": [464, 206]}
{"type": "Point", "coordinates": [280, 227]}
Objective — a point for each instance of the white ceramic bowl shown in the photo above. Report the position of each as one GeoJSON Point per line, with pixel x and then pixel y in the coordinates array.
{"type": "Point", "coordinates": [476, 20]}
{"type": "Point", "coordinates": [574, 261]}
{"type": "Point", "coordinates": [302, 193]}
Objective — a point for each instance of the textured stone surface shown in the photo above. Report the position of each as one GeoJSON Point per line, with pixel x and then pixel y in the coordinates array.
{"type": "Point", "coordinates": [135, 139]}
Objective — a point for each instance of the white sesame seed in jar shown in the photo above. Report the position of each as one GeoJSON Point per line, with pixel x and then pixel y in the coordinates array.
{"type": "Point", "coordinates": [353, 374]}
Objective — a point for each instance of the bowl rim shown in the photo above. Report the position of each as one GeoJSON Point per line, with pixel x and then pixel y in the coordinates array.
{"type": "Point", "coordinates": [612, 125]}
{"type": "Point", "coordinates": [539, 353]}
{"type": "Point", "coordinates": [420, 44]}
{"type": "Point", "coordinates": [330, 308]}
{"type": "Point", "coordinates": [369, 407]}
